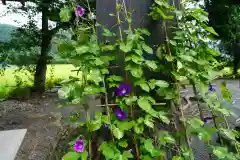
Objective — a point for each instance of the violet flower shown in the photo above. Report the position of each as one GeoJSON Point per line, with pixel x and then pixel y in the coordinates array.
{"type": "Point", "coordinates": [79, 11]}
{"type": "Point", "coordinates": [211, 88]}
{"type": "Point", "coordinates": [79, 146]}
{"type": "Point", "coordinates": [121, 115]}
{"type": "Point", "coordinates": [123, 90]}
{"type": "Point", "coordinates": [106, 125]}
{"type": "Point", "coordinates": [207, 119]}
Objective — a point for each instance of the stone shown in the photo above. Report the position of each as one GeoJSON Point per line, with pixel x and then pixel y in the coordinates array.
{"type": "Point", "coordinates": [11, 141]}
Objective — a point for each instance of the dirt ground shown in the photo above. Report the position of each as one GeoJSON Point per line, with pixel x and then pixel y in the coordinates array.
{"type": "Point", "coordinates": [43, 121]}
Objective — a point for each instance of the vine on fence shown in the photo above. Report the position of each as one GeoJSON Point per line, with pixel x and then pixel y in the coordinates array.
{"type": "Point", "coordinates": [142, 126]}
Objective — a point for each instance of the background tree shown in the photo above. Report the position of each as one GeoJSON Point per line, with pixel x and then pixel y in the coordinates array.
{"type": "Point", "coordinates": [224, 17]}
{"type": "Point", "coordinates": [32, 37]}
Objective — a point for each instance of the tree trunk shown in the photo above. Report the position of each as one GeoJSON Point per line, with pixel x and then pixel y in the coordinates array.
{"type": "Point", "coordinates": [41, 67]}
{"type": "Point", "coordinates": [236, 60]}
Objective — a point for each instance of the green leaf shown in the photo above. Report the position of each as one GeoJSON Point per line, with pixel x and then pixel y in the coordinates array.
{"type": "Point", "coordinates": [152, 100]}
{"type": "Point", "coordinates": [165, 138]}
{"type": "Point", "coordinates": [177, 158]}
{"type": "Point", "coordinates": [139, 128]}
{"type": "Point", "coordinates": [126, 47]}
{"type": "Point", "coordinates": [139, 52]}
{"type": "Point", "coordinates": [163, 15]}
{"type": "Point", "coordinates": [104, 71]}
{"type": "Point", "coordinates": [204, 134]}
{"type": "Point", "coordinates": [108, 48]}
{"type": "Point", "coordinates": [173, 42]}
{"type": "Point", "coordinates": [108, 33]}
{"type": "Point", "coordinates": [126, 155]}
{"type": "Point", "coordinates": [136, 72]}
{"type": "Point", "coordinates": [220, 152]}
{"type": "Point", "coordinates": [169, 58]}
{"type": "Point", "coordinates": [149, 121]}
{"type": "Point", "coordinates": [163, 117]}
{"type": "Point", "coordinates": [162, 84]}
{"type": "Point", "coordinates": [115, 78]}
{"type": "Point", "coordinates": [125, 125]}
{"type": "Point", "coordinates": [146, 157]}
{"type": "Point", "coordinates": [117, 133]}
{"type": "Point", "coordinates": [129, 100]}
{"type": "Point", "coordinates": [151, 64]}
{"type": "Point", "coordinates": [213, 52]}
{"type": "Point", "coordinates": [84, 155]}
{"type": "Point", "coordinates": [152, 84]}
{"type": "Point", "coordinates": [140, 120]}
{"type": "Point", "coordinates": [144, 31]}
{"type": "Point", "coordinates": [95, 76]}
{"type": "Point", "coordinates": [98, 62]}
{"type": "Point", "coordinates": [72, 156]}
{"type": "Point", "coordinates": [145, 105]}
{"type": "Point", "coordinates": [227, 95]}
{"type": "Point", "coordinates": [93, 90]}
{"type": "Point", "coordinates": [186, 58]}
{"type": "Point", "coordinates": [211, 30]}
{"type": "Point", "coordinates": [123, 143]}
{"type": "Point", "coordinates": [195, 123]}
{"type": "Point", "coordinates": [135, 58]}
{"type": "Point", "coordinates": [148, 145]}
{"type": "Point", "coordinates": [95, 125]}
{"type": "Point", "coordinates": [82, 49]}
{"type": "Point", "coordinates": [66, 48]}
{"type": "Point", "coordinates": [107, 150]}
{"type": "Point", "coordinates": [179, 65]}
{"type": "Point", "coordinates": [228, 133]}
{"type": "Point", "coordinates": [145, 87]}
{"type": "Point", "coordinates": [147, 48]}
{"type": "Point", "coordinates": [65, 14]}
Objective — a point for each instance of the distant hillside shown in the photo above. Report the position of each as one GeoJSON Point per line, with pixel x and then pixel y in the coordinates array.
{"type": "Point", "coordinates": [5, 35]}
{"type": "Point", "coordinates": [6, 31]}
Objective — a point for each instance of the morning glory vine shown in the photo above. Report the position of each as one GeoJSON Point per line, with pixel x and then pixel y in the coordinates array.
{"type": "Point", "coordinates": [136, 125]}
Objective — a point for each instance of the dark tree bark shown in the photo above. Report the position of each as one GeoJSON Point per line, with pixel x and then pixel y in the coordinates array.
{"type": "Point", "coordinates": [236, 60]}
{"type": "Point", "coordinates": [41, 67]}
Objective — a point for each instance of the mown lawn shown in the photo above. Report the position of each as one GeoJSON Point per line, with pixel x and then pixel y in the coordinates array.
{"type": "Point", "coordinates": [8, 81]}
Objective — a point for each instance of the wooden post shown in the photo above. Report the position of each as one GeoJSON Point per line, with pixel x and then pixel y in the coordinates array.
{"type": "Point", "coordinates": [140, 19]}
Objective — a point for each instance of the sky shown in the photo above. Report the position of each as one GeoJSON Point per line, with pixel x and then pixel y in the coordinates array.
{"type": "Point", "coordinates": [14, 18]}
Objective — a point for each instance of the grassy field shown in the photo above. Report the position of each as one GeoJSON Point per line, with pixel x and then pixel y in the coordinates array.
{"type": "Point", "coordinates": [60, 71]}
{"type": "Point", "coordinates": [8, 81]}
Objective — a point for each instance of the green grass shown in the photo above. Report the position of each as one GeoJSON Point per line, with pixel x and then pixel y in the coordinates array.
{"type": "Point", "coordinates": [8, 82]}
{"type": "Point", "coordinates": [61, 71]}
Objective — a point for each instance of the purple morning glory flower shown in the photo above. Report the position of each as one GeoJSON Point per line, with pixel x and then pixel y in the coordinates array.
{"type": "Point", "coordinates": [79, 11]}
{"type": "Point", "coordinates": [79, 146]}
{"type": "Point", "coordinates": [211, 88]}
{"type": "Point", "coordinates": [121, 115]}
{"type": "Point", "coordinates": [207, 119]}
{"type": "Point", "coordinates": [123, 90]}
{"type": "Point", "coordinates": [106, 125]}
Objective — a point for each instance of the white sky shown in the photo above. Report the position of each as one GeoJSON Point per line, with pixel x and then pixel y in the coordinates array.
{"type": "Point", "coordinates": [14, 18]}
